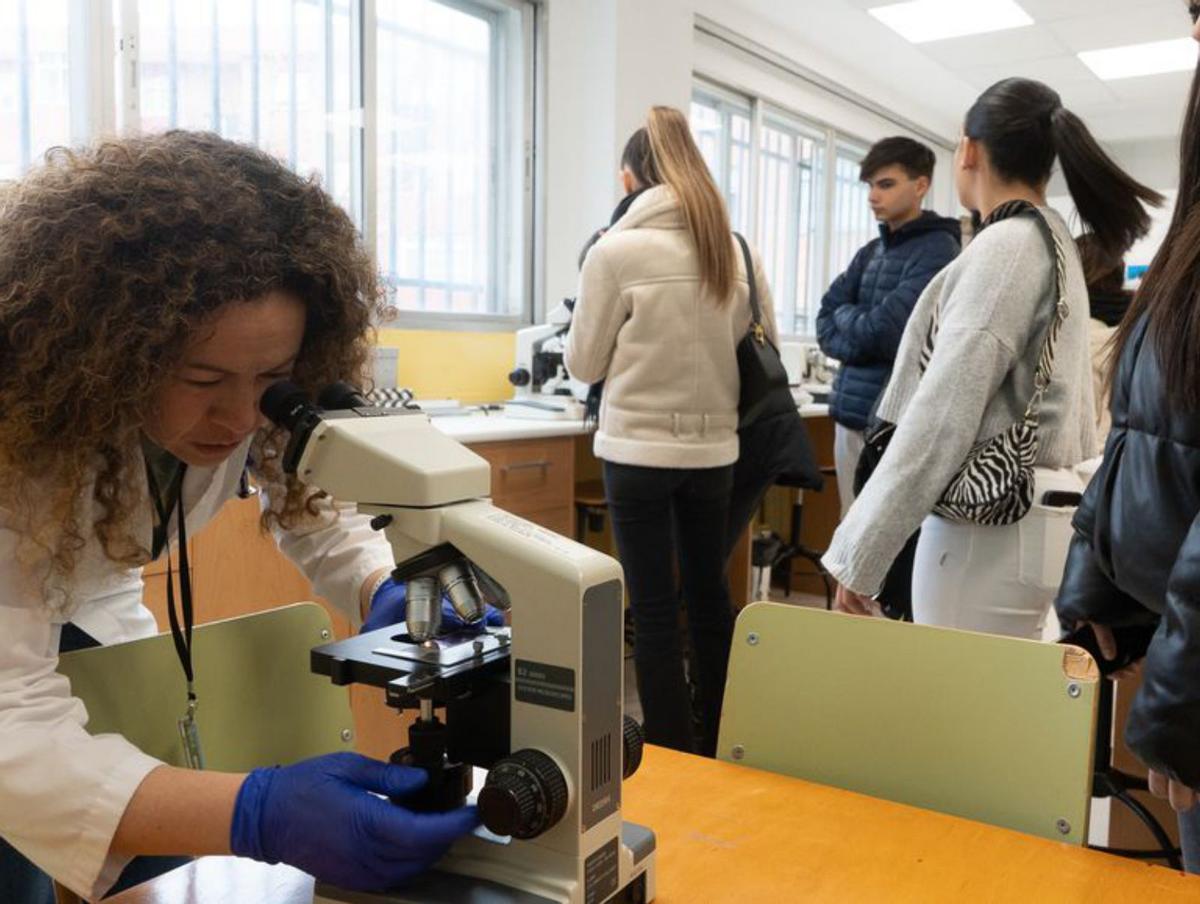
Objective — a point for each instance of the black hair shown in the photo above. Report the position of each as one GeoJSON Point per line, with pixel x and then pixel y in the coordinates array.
{"type": "Point", "coordinates": [1101, 272]}
{"type": "Point", "coordinates": [587, 246]}
{"type": "Point", "coordinates": [1170, 291]}
{"type": "Point", "coordinates": [917, 159]}
{"type": "Point", "coordinates": [638, 158]}
{"type": "Point", "coordinates": [1024, 126]}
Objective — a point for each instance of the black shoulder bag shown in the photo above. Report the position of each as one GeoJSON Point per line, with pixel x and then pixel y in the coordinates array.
{"type": "Point", "coordinates": [764, 379]}
{"type": "Point", "coordinates": [773, 443]}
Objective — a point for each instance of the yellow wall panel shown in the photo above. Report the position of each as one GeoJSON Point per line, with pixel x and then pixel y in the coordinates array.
{"type": "Point", "coordinates": [437, 364]}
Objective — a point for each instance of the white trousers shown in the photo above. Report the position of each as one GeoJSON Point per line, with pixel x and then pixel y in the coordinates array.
{"type": "Point", "coordinates": [847, 447]}
{"type": "Point", "coordinates": [998, 580]}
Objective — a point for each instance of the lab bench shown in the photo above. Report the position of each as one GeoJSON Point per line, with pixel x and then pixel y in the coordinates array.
{"type": "Point", "coordinates": [728, 833]}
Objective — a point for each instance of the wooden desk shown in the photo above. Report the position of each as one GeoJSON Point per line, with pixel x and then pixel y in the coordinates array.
{"type": "Point", "coordinates": [727, 833]}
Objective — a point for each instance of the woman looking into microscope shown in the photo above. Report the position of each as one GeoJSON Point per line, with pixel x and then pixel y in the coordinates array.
{"type": "Point", "coordinates": [150, 290]}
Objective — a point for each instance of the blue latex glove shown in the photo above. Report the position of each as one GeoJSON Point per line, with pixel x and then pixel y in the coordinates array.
{"type": "Point", "coordinates": [318, 815]}
{"type": "Point", "coordinates": [388, 608]}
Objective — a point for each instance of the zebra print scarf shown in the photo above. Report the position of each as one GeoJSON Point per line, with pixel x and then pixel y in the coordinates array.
{"type": "Point", "coordinates": [994, 486]}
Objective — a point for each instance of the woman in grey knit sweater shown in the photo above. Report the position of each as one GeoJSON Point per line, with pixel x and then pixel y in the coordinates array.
{"type": "Point", "coordinates": [972, 377]}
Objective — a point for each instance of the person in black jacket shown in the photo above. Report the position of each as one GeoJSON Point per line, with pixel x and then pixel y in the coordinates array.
{"type": "Point", "coordinates": [1136, 554]}
{"type": "Point", "coordinates": [863, 314]}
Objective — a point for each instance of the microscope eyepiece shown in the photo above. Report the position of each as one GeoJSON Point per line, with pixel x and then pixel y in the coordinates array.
{"type": "Point", "coordinates": [286, 404]}
{"type": "Point", "coordinates": [340, 396]}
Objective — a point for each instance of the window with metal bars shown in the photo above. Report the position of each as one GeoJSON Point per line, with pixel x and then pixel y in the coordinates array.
{"type": "Point", "coordinates": [806, 217]}
{"type": "Point", "coordinates": [416, 115]}
{"type": "Point", "coordinates": [451, 200]}
{"type": "Point", "coordinates": [36, 82]}
{"type": "Point", "coordinates": [722, 128]}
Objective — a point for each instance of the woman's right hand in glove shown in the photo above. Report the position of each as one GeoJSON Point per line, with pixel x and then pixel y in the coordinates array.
{"type": "Point", "coordinates": [323, 816]}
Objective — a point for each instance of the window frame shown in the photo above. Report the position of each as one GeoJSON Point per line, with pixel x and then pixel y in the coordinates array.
{"type": "Point", "coordinates": [104, 98]}
{"type": "Point", "coordinates": [794, 293]}
{"type": "Point", "coordinates": [791, 297]}
{"type": "Point", "coordinates": [88, 81]}
{"type": "Point", "coordinates": [529, 90]}
{"type": "Point", "coordinates": [726, 104]}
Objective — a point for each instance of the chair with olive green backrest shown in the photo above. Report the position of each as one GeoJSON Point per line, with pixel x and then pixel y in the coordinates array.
{"type": "Point", "coordinates": [259, 704]}
{"type": "Point", "coordinates": [990, 728]}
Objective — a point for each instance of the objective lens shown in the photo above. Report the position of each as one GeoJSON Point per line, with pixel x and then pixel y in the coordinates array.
{"type": "Point", "coordinates": [459, 583]}
{"type": "Point", "coordinates": [424, 609]}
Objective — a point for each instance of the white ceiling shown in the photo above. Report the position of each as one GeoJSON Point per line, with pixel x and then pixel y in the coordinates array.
{"type": "Point", "coordinates": [944, 77]}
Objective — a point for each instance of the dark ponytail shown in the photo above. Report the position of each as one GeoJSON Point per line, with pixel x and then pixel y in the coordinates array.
{"type": "Point", "coordinates": [638, 158]}
{"type": "Point", "coordinates": [1108, 199]}
{"type": "Point", "coordinates": [1024, 126]}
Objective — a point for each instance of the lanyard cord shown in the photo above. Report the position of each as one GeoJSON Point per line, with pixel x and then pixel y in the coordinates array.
{"type": "Point", "coordinates": [182, 638]}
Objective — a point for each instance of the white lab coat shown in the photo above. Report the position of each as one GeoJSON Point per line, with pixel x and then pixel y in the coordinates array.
{"type": "Point", "coordinates": [62, 791]}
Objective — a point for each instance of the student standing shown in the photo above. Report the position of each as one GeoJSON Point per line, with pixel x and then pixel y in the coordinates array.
{"type": "Point", "coordinates": [863, 314]}
{"type": "Point", "coordinates": [663, 302]}
{"type": "Point", "coordinates": [976, 346]}
{"type": "Point", "coordinates": [151, 289]}
{"type": "Point", "coordinates": [1135, 555]}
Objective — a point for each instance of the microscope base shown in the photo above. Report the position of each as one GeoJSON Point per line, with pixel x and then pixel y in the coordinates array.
{"type": "Point", "coordinates": [438, 887]}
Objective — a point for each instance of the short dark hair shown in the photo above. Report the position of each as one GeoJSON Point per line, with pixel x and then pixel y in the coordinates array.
{"type": "Point", "coordinates": [916, 158]}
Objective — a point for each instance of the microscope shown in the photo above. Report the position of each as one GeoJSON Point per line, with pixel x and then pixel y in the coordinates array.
{"type": "Point", "coordinates": [538, 703]}
{"type": "Point", "coordinates": [541, 385]}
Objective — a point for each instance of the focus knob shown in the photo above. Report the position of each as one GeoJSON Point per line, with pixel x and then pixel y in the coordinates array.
{"type": "Point", "coordinates": [519, 377]}
{"type": "Point", "coordinates": [525, 795]}
{"type": "Point", "coordinates": [634, 738]}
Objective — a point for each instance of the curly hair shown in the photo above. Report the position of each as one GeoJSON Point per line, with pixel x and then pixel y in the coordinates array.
{"type": "Point", "coordinates": [110, 258]}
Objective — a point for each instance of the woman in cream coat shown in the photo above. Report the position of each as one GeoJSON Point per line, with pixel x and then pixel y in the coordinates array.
{"type": "Point", "coordinates": [662, 305]}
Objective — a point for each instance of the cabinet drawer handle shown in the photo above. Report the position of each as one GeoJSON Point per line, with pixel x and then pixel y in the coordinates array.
{"type": "Point", "coordinates": [525, 466]}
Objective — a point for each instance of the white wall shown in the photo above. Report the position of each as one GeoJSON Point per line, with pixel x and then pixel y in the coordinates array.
{"type": "Point", "coordinates": [608, 61]}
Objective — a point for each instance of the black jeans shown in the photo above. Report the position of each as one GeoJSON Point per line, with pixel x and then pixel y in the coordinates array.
{"type": "Point", "coordinates": [660, 515]}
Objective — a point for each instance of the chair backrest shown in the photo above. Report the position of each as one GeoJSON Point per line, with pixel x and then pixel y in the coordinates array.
{"type": "Point", "coordinates": [259, 704]}
{"type": "Point", "coordinates": [990, 728]}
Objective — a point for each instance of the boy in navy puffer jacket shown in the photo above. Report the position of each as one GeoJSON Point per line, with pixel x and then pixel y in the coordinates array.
{"type": "Point", "coordinates": [863, 314]}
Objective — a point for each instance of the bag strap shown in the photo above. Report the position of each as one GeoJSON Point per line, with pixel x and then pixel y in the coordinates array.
{"type": "Point", "coordinates": [1045, 366]}
{"type": "Point", "coordinates": [756, 326]}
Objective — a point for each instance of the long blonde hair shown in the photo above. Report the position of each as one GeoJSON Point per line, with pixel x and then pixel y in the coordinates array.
{"type": "Point", "coordinates": [665, 153]}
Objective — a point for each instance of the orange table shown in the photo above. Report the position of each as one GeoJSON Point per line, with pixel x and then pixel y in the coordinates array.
{"type": "Point", "coordinates": [728, 833]}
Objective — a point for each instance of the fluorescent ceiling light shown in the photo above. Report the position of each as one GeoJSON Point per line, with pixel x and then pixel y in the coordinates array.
{"type": "Point", "coordinates": [1178, 55]}
{"type": "Point", "coordinates": [934, 20]}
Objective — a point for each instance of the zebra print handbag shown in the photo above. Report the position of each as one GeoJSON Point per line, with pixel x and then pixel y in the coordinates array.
{"type": "Point", "coordinates": [994, 486]}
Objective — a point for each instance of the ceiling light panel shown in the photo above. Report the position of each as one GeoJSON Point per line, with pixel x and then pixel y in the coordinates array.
{"type": "Point", "coordinates": [921, 21]}
{"type": "Point", "coordinates": [1155, 58]}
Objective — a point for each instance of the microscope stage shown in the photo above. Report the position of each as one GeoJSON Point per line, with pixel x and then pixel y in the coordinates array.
{"type": "Point", "coordinates": [440, 670]}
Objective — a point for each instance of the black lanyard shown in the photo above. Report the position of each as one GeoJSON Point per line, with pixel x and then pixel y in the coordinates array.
{"type": "Point", "coordinates": [183, 638]}
{"type": "Point", "coordinates": [189, 731]}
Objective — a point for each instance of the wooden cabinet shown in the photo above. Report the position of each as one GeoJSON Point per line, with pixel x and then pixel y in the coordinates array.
{"type": "Point", "coordinates": [534, 479]}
